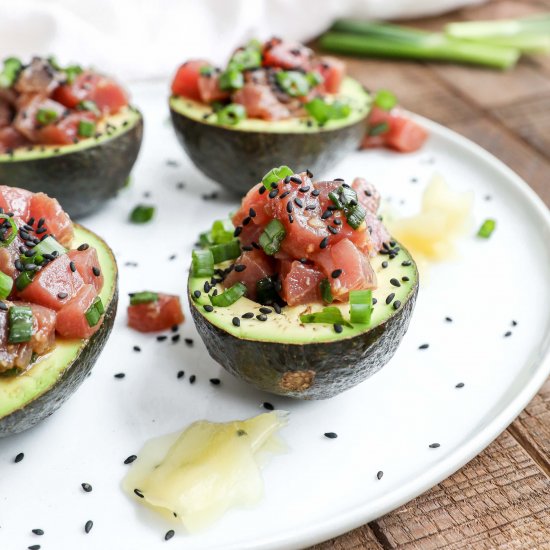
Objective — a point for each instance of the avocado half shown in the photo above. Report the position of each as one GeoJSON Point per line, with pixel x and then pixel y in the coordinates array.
{"type": "Point", "coordinates": [236, 155]}
{"type": "Point", "coordinates": [32, 396]}
{"type": "Point", "coordinates": [83, 175]}
{"type": "Point", "coordinates": [309, 361]}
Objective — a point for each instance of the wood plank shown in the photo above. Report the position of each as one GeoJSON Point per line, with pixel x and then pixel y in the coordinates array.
{"type": "Point", "coordinates": [499, 498]}
{"type": "Point", "coordinates": [359, 539]}
{"type": "Point", "coordinates": [511, 149]}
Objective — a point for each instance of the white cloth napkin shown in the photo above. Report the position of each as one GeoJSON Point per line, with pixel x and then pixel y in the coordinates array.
{"type": "Point", "coordinates": [140, 39]}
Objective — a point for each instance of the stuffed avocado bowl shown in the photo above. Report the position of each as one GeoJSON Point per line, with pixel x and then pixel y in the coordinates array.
{"type": "Point", "coordinates": [66, 131]}
{"type": "Point", "coordinates": [273, 101]}
{"type": "Point", "coordinates": [303, 310]}
{"type": "Point", "coordinates": [58, 303]}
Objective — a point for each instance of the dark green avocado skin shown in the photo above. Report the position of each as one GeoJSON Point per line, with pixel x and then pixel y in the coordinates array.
{"type": "Point", "coordinates": [82, 180]}
{"type": "Point", "coordinates": [238, 159]}
{"type": "Point", "coordinates": [75, 373]}
{"type": "Point", "coordinates": [332, 367]}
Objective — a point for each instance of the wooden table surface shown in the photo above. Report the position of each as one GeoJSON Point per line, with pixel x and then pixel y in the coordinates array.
{"type": "Point", "coordinates": [501, 499]}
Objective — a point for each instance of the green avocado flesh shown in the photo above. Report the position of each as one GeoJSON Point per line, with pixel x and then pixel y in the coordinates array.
{"type": "Point", "coordinates": [309, 361]}
{"type": "Point", "coordinates": [238, 156]}
{"type": "Point", "coordinates": [83, 175]}
{"type": "Point", "coordinates": [27, 398]}
{"type": "Point", "coordinates": [351, 92]}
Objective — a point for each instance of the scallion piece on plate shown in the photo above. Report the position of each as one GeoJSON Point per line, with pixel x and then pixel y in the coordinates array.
{"type": "Point", "coordinates": [330, 315]}
{"type": "Point", "coordinates": [294, 83]}
{"type": "Point", "coordinates": [387, 40]}
{"type": "Point", "coordinates": [487, 228]}
{"type": "Point", "coordinates": [205, 239]}
{"type": "Point", "coordinates": [322, 111]}
{"type": "Point", "coordinates": [231, 79]}
{"type": "Point", "coordinates": [271, 238]}
{"type": "Point", "coordinates": [326, 293]}
{"type": "Point", "coordinates": [46, 116]}
{"type": "Point", "coordinates": [9, 72]}
{"type": "Point", "coordinates": [385, 99]}
{"type": "Point", "coordinates": [202, 263]}
{"type": "Point", "coordinates": [360, 306]}
{"type": "Point", "coordinates": [94, 312]}
{"type": "Point", "coordinates": [226, 251]}
{"type": "Point", "coordinates": [229, 297]}
{"type": "Point", "coordinates": [231, 114]}
{"type": "Point", "coordinates": [86, 128]}
{"type": "Point", "coordinates": [275, 175]}
{"type": "Point", "coordinates": [24, 279]}
{"type": "Point", "coordinates": [20, 322]}
{"type": "Point", "coordinates": [144, 297]}
{"type": "Point", "coordinates": [314, 78]}
{"type": "Point", "coordinates": [6, 284]}
{"type": "Point", "coordinates": [378, 129]}
{"type": "Point", "coordinates": [7, 238]}
{"type": "Point", "coordinates": [222, 231]}
{"type": "Point", "coordinates": [142, 213]}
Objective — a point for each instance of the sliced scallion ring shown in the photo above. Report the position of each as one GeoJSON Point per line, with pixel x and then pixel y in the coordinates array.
{"type": "Point", "coordinates": [330, 315]}
{"type": "Point", "coordinates": [231, 114]}
{"type": "Point", "coordinates": [144, 297]}
{"type": "Point", "coordinates": [7, 240]}
{"type": "Point", "coordinates": [226, 251]}
{"type": "Point", "coordinates": [20, 323]}
{"type": "Point", "coordinates": [229, 297]}
{"type": "Point", "coordinates": [202, 263]}
{"type": "Point", "coordinates": [326, 293]}
{"type": "Point", "coordinates": [6, 285]}
{"type": "Point", "coordinates": [360, 306]}
{"type": "Point", "coordinates": [271, 238]}
{"type": "Point", "coordinates": [276, 174]}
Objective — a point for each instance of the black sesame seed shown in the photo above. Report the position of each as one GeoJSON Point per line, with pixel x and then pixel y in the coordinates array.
{"type": "Point", "coordinates": [208, 308]}
{"type": "Point", "coordinates": [406, 263]}
{"type": "Point", "coordinates": [169, 534]}
{"type": "Point", "coordinates": [333, 230]}
{"type": "Point", "coordinates": [62, 295]}
{"type": "Point", "coordinates": [181, 374]}
{"type": "Point", "coordinates": [120, 375]}
{"type": "Point", "coordinates": [374, 301]}
{"type": "Point", "coordinates": [434, 445]}
{"type": "Point", "coordinates": [206, 287]}
{"type": "Point", "coordinates": [188, 341]}
{"type": "Point", "coordinates": [507, 334]}
{"type": "Point", "coordinates": [273, 193]}
{"type": "Point", "coordinates": [379, 474]}
{"type": "Point", "coordinates": [252, 212]}
{"type": "Point", "coordinates": [395, 282]}
{"type": "Point", "coordinates": [240, 267]}
{"type": "Point", "coordinates": [238, 231]}
{"type": "Point", "coordinates": [310, 207]}
{"type": "Point", "coordinates": [19, 457]}
{"type": "Point", "coordinates": [138, 493]}
{"type": "Point", "coordinates": [290, 218]}
{"type": "Point", "coordinates": [266, 310]}
{"type": "Point", "coordinates": [130, 459]}
{"type": "Point", "coordinates": [331, 435]}
{"type": "Point", "coordinates": [289, 207]}
{"type": "Point", "coordinates": [460, 385]}
{"type": "Point", "coordinates": [268, 406]}
{"type": "Point", "coordinates": [304, 189]}
{"type": "Point", "coordinates": [89, 525]}
{"type": "Point", "coordinates": [337, 221]}
{"type": "Point", "coordinates": [197, 293]}
{"type": "Point", "coordinates": [72, 266]}
{"type": "Point", "coordinates": [96, 271]}
{"type": "Point", "coordinates": [136, 348]}
{"type": "Point", "coordinates": [309, 173]}
{"type": "Point", "coordinates": [261, 317]}
{"type": "Point", "coordinates": [236, 321]}
{"type": "Point", "coordinates": [449, 319]}
{"type": "Point", "coordinates": [247, 220]}
{"type": "Point", "coordinates": [338, 328]}
{"type": "Point", "coordinates": [87, 487]}
{"type": "Point", "coordinates": [405, 279]}
{"type": "Point", "coordinates": [295, 179]}
{"type": "Point", "coordinates": [34, 547]}
{"type": "Point", "coordinates": [336, 273]}
{"type": "Point", "coordinates": [274, 185]}
{"type": "Point", "coordinates": [262, 190]}
{"type": "Point", "coordinates": [316, 192]}
{"type": "Point", "coordinates": [215, 381]}
{"type": "Point", "coordinates": [389, 298]}
{"type": "Point", "coordinates": [192, 379]}
{"type": "Point", "coordinates": [162, 338]}
{"type": "Point", "coordinates": [175, 338]}
{"type": "Point", "coordinates": [424, 346]}
{"type": "Point", "coordinates": [277, 308]}
{"type": "Point", "coordinates": [385, 264]}
{"type": "Point", "coordinates": [38, 532]}
{"type": "Point", "coordinates": [514, 323]}
{"type": "Point", "coordinates": [83, 246]}
{"type": "Point", "coordinates": [324, 243]}
{"type": "Point", "coordinates": [326, 214]}
{"type": "Point", "coordinates": [284, 195]}
{"type": "Point", "coordinates": [287, 179]}
{"type": "Point", "coordinates": [298, 202]}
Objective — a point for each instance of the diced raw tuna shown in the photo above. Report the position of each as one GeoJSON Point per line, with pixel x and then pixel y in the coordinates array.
{"type": "Point", "coordinates": [377, 232]}
{"type": "Point", "coordinates": [57, 221]}
{"type": "Point", "coordinates": [38, 77]}
{"type": "Point", "coordinates": [85, 262]}
{"type": "Point", "coordinates": [53, 281]}
{"type": "Point", "coordinates": [42, 340]}
{"type": "Point", "coordinates": [260, 102]}
{"type": "Point", "coordinates": [186, 81]}
{"type": "Point", "coordinates": [286, 55]}
{"type": "Point", "coordinates": [25, 121]}
{"type": "Point", "coordinates": [367, 194]}
{"type": "Point", "coordinates": [5, 113]}
{"type": "Point", "coordinates": [254, 228]}
{"type": "Point", "coordinates": [209, 88]}
{"type": "Point", "coordinates": [155, 316]}
{"type": "Point", "coordinates": [71, 318]}
{"type": "Point", "coordinates": [16, 200]}
{"type": "Point", "coordinates": [301, 284]}
{"type": "Point", "coordinates": [333, 71]}
{"type": "Point", "coordinates": [257, 266]}
{"type": "Point", "coordinates": [11, 139]}
{"type": "Point", "coordinates": [357, 273]}
{"type": "Point", "coordinates": [65, 131]}
{"type": "Point", "coordinates": [11, 253]}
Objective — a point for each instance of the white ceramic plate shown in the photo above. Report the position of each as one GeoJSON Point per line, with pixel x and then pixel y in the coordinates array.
{"type": "Point", "coordinates": [321, 487]}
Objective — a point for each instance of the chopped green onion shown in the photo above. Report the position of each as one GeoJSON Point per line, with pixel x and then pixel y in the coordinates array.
{"type": "Point", "coordinates": [314, 78]}
{"type": "Point", "coordinates": [205, 239]}
{"type": "Point", "coordinates": [202, 264]}
{"type": "Point", "coordinates": [378, 129]}
{"type": "Point", "coordinates": [360, 302]}
{"type": "Point", "coordinates": [207, 70]}
{"type": "Point", "coordinates": [231, 114]}
{"type": "Point", "coordinates": [88, 105]}
{"type": "Point", "coordinates": [142, 213]}
{"type": "Point", "coordinates": [294, 83]}
{"type": "Point", "coordinates": [326, 293]}
{"type": "Point", "coordinates": [86, 128]}
{"type": "Point", "coordinates": [222, 231]}
{"type": "Point", "coordinates": [226, 251]}
{"type": "Point", "coordinates": [7, 240]}
{"type": "Point", "coordinates": [330, 315]}
{"type": "Point", "coordinates": [247, 58]}
{"type": "Point", "coordinates": [229, 297]}
{"type": "Point", "coordinates": [487, 228]}
{"type": "Point", "coordinates": [271, 238]}
{"type": "Point", "coordinates": [94, 312]}
{"type": "Point", "coordinates": [48, 245]}
{"type": "Point", "coordinates": [275, 175]}
{"type": "Point", "coordinates": [72, 72]}
{"type": "Point", "coordinates": [20, 324]}
{"type": "Point", "coordinates": [24, 279]}
{"type": "Point", "coordinates": [322, 111]}
{"type": "Point", "coordinates": [6, 284]}
{"type": "Point", "coordinates": [387, 40]}
{"type": "Point", "coordinates": [345, 198]}
{"type": "Point", "coordinates": [46, 116]}
{"type": "Point", "coordinates": [385, 99]}
{"type": "Point", "coordinates": [9, 73]}
{"type": "Point", "coordinates": [144, 297]}
{"type": "Point", "coordinates": [266, 292]}
{"type": "Point", "coordinates": [232, 79]}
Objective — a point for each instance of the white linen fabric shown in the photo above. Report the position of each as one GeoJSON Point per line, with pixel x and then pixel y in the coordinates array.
{"type": "Point", "coordinates": [142, 39]}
